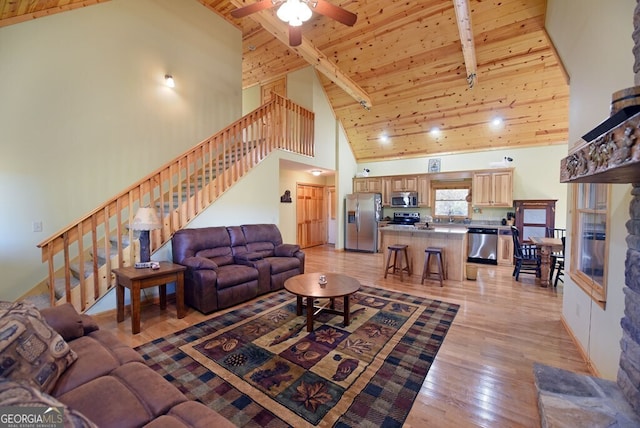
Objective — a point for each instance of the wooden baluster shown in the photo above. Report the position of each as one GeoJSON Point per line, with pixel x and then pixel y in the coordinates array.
{"type": "Point", "coordinates": [94, 258]}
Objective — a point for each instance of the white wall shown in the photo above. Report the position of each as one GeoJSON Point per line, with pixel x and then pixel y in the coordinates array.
{"type": "Point", "coordinates": [594, 41]}
{"type": "Point", "coordinates": [84, 111]}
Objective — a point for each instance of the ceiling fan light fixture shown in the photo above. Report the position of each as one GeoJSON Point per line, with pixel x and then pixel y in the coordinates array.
{"type": "Point", "coordinates": [294, 12]}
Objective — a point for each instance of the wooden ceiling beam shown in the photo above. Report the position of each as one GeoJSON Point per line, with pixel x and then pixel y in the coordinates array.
{"type": "Point", "coordinates": [463, 17]}
{"type": "Point", "coordinates": [311, 55]}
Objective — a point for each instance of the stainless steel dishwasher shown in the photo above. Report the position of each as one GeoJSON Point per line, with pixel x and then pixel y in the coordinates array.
{"type": "Point", "coordinates": [482, 245]}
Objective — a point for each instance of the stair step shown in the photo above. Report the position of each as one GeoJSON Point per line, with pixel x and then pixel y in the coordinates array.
{"type": "Point", "coordinates": [101, 254]}
{"type": "Point", "coordinates": [125, 239]}
{"type": "Point", "coordinates": [75, 269]}
{"type": "Point", "coordinates": [59, 286]}
{"type": "Point", "coordinates": [40, 301]}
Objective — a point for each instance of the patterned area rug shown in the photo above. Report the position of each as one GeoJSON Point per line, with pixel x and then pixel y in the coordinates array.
{"type": "Point", "coordinates": [258, 366]}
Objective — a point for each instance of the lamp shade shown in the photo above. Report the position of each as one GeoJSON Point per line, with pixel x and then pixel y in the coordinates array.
{"type": "Point", "coordinates": [146, 219]}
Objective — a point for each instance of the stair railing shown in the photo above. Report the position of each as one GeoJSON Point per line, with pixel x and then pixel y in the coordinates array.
{"type": "Point", "coordinates": [80, 257]}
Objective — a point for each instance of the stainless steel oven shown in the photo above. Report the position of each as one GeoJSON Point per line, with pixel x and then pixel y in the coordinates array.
{"type": "Point", "coordinates": [482, 245]}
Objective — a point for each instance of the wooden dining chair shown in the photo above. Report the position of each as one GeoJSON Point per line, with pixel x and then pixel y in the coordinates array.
{"type": "Point", "coordinates": [559, 265]}
{"type": "Point", "coordinates": [557, 257]}
{"type": "Point", "coordinates": [526, 256]}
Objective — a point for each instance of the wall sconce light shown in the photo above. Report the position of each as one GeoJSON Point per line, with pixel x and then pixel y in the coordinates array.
{"type": "Point", "coordinates": [145, 220]}
{"type": "Point", "coordinates": [316, 172]}
{"type": "Point", "coordinates": [168, 80]}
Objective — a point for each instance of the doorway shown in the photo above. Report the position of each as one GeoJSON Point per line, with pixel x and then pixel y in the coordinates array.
{"type": "Point", "coordinates": [311, 215]}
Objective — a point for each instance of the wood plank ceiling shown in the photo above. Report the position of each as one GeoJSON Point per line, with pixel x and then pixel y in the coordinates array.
{"type": "Point", "coordinates": [407, 60]}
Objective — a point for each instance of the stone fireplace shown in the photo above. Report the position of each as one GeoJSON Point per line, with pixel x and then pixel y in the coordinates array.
{"type": "Point", "coordinates": [609, 154]}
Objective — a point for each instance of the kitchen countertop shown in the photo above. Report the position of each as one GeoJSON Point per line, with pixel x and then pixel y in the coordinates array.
{"type": "Point", "coordinates": [453, 229]}
{"type": "Point", "coordinates": [442, 227]}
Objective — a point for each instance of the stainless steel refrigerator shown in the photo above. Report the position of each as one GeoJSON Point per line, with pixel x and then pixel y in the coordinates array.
{"type": "Point", "coordinates": [362, 214]}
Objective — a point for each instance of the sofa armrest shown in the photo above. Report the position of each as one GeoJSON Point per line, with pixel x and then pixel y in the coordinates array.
{"type": "Point", "coordinates": [65, 320]}
{"type": "Point", "coordinates": [247, 257]}
{"type": "Point", "coordinates": [199, 263]}
{"type": "Point", "coordinates": [286, 250]}
{"type": "Point", "coordinates": [89, 324]}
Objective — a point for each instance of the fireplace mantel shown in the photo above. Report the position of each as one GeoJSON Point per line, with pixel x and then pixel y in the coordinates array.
{"type": "Point", "coordinates": [613, 157]}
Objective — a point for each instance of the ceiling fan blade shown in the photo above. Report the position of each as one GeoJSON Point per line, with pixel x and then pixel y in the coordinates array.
{"type": "Point", "coordinates": [341, 15]}
{"type": "Point", "coordinates": [295, 35]}
{"type": "Point", "coordinates": [253, 8]}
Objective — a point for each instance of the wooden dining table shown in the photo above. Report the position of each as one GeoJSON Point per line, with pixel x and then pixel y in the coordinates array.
{"type": "Point", "coordinates": [547, 247]}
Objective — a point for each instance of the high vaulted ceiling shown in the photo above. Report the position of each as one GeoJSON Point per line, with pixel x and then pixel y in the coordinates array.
{"type": "Point", "coordinates": [404, 61]}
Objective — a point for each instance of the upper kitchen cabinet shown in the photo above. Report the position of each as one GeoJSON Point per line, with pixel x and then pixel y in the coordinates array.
{"type": "Point", "coordinates": [404, 184]}
{"type": "Point", "coordinates": [493, 188]}
{"type": "Point", "coordinates": [424, 191]}
{"type": "Point", "coordinates": [367, 184]}
{"type": "Point", "coordinates": [386, 191]}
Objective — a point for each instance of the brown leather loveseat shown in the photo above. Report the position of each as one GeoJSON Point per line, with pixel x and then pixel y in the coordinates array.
{"type": "Point", "coordinates": [230, 265]}
{"type": "Point", "coordinates": [102, 381]}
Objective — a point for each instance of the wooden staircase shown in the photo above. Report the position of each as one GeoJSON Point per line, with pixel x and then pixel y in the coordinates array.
{"type": "Point", "coordinates": [80, 257]}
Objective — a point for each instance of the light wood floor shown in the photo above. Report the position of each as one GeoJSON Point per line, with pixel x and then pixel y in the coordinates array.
{"type": "Point", "coordinates": [483, 373]}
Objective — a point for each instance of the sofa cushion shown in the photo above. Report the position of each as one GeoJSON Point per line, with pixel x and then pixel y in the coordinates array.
{"type": "Point", "coordinates": [99, 353]}
{"type": "Point", "coordinates": [65, 320]}
{"type": "Point", "coordinates": [262, 233]}
{"type": "Point", "coordinates": [190, 414]}
{"type": "Point", "coordinates": [136, 393]}
{"type": "Point", "coordinates": [88, 323]}
{"type": "Point", "coordinates": [108, 403]}
{"type": "Point", "coordinates": [283, 264]}
{"type": "Point", "coordinates": [30, 350]}
{"type": "Point", "coordinates": [265, 249]}
{"type": "Point", "coordinates": [24, 395]}
{"type": "Point", "coordinates": [232, 275]}
{"type": "Point", "coordinates": [208, 242]}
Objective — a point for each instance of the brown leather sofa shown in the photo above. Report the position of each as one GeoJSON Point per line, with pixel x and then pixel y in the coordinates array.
{"type": "Point", "coordinates": [110, 384]}
{"type": "Point", "coordinates": [230, 265]}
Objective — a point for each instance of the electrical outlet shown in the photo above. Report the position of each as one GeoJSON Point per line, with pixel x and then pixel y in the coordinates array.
{"type": "Point", "coordinates": [36, 226]}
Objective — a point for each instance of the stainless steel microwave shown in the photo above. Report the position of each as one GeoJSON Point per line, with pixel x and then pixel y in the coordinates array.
{"type": "Point", "coordinates": [404, 199]}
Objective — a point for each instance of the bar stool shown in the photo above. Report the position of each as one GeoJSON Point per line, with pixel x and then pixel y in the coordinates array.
{"type": "Point", "coordinates": [438, 254]}
{"type": "Point", "coordinates": [397, 261]}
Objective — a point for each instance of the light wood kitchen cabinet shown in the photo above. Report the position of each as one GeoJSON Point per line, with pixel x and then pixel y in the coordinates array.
{"type": "Point", "coordinates": [367, 184]}
{"type": "Point", "coordinates": [505, 247]}
{"type": "Point", "coordinates": [493, 188]}
{"type": "Point", "coordinates": [386, 191]}
{"type": "Point", "coordinates": [424, 191]}
{"type": "Point", "coordinates": [404, 184]}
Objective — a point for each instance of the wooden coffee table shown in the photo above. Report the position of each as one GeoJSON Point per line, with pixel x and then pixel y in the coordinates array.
{"type": "Point", "coordinates": [306, 286]}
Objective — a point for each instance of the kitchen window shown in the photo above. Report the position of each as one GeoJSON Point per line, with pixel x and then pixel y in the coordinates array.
{"type": "Point", "coordinates": [589, 240]}
{"type": "Point", "coordinates": [451, 200]}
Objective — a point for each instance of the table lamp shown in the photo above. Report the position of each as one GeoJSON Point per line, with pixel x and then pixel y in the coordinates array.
{"type": "Point", "coordinates": [145, 220]}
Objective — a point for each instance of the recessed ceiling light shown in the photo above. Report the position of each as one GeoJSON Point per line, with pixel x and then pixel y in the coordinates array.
{"type": "Point", "coordinates": [316, 172]}
{"type": "Point", "coordinates": [435, 131]}
{"type": "Point", "coordinates": [497, 121]}
{"type": "Point", "coordinates": [383, 138]}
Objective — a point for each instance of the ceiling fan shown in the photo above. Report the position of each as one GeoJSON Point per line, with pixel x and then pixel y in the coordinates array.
{"type": "Point", "coordinates": [295, 12]}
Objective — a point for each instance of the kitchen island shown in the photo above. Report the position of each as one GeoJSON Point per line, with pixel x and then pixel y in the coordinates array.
{"type": "Point", "coordinates": [452, 239]}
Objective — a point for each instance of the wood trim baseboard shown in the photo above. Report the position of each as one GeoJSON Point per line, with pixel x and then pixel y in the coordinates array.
{"type": "Point", "coordinates": [585, 356]}
{"type": "Point", "coordinates": [144, 302]}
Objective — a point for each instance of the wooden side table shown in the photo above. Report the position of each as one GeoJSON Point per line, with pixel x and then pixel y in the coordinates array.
{"type": "Point", "coordinates": [137, 279]}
